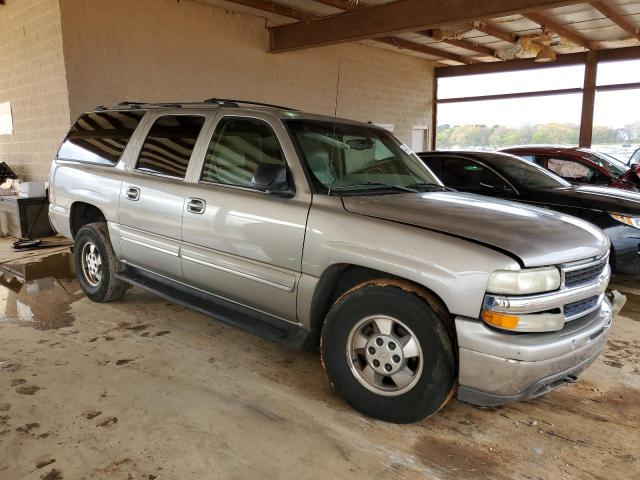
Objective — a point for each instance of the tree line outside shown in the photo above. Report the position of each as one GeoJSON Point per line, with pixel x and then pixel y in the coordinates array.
{"type": "Point", "coordinates": [500, 136]}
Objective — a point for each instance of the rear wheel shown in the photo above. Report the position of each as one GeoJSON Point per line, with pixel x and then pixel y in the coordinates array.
{"type": "Point", "coordinates": [96, 264]}
{"type": "Point", "coordinates": [387, 352]}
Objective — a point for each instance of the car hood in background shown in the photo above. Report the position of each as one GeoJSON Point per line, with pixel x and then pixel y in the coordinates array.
{"type": "Point", "coordinates": [536, 236]}
{"type": "Point", "coordinates": [598, 198]}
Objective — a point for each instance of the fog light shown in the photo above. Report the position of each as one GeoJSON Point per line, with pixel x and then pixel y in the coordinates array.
{"type": "Point", "coordinates": [500, 320]}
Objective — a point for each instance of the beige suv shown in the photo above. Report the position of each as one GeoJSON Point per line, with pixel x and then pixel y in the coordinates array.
{"type": "Point", "coordinates": [312, 230]}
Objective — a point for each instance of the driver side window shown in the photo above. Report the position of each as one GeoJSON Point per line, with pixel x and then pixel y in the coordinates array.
{"type": "Point", "coordinates": [470, 176]}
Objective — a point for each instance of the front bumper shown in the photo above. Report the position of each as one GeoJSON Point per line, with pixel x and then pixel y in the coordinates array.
{"type": "Point", "coordinates": [497, 367]}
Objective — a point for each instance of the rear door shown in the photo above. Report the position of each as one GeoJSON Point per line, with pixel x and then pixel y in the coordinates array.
{"type": "Point", "coordinates": [240, 243]}
{"type": "Point", "coordinates": [153, 193]}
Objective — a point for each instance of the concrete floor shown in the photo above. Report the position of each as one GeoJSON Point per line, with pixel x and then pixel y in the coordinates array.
{"type": "Point", "coordinates": [143, 389]}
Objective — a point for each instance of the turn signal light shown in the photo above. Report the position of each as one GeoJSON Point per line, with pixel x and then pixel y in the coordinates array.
{"type": "Point", "coordinates": [500, 320]}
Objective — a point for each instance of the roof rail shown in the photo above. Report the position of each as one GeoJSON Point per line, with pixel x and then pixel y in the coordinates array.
{"type": "Point", "coordinates": [222, 102]}
{"type": "Point", "coordinates": [235, 103]}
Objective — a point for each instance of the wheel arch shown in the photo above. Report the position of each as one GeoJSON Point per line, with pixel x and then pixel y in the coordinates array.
{"type": "Point", "coordinates": [339, 279]}
{"type": "Point", "coordinates": [83, 213]}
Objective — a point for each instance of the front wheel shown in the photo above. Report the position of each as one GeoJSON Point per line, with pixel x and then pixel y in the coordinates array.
{"type": "Point", "coordinates": [387, 352]}
{"type": "Point", "coordinates": [96, 264]}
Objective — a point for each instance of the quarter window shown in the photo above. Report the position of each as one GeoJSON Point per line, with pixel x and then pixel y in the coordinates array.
{"type": "Point", "coordinates": [237, 148]}
{"type": "Point", "coordinates": [169, 145]}
{"type": "Point", "coordinates": [100, 137]}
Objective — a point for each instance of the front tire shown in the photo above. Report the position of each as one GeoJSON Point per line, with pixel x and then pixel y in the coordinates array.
{"type": "Point", "coordinates": [96, 264]}
{"type": "Point", "coordinates": [388, 353]}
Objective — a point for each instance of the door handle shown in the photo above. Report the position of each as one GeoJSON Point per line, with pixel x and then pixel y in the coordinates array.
{"type": "Point", "coordinates": [196, 205]}
{"type": "Point", "coordinates": [133, 193]}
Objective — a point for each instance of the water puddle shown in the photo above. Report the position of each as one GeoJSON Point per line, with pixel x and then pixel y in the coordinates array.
{"type": "Point", "coordinates": [38, 293]}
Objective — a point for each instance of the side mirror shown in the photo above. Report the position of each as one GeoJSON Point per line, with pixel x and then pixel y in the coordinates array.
{"type": "Point", "coordinates": [272, 179]}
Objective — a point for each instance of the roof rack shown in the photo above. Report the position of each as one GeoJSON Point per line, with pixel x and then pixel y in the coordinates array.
{"type": "Point", "coordinates": [235, 103]}
{"type": "Point", "coordinates": [222, 102]}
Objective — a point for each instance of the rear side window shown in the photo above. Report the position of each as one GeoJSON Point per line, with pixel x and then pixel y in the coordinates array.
{"type": "Point", "coordinates": [100, 137]}
{"type": "Point", "coordinates": [169, 145]}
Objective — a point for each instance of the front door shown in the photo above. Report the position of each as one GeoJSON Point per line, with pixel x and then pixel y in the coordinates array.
{"type": "Point", "coordinates": [238, 242]}
{"type": "Point", "coordinates": [153, 192]}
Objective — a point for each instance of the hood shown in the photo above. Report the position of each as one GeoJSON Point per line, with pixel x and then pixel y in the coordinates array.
{"type": "Point", "coordinates": [599, 198]}
{"type": "Point", "coordinates": [537, 237]}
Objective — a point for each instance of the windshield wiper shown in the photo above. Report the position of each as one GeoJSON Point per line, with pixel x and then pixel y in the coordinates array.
{"type": "Point", "coordinates": [430, 185]}
{"type": "Point", "coordinates": [374, 184]}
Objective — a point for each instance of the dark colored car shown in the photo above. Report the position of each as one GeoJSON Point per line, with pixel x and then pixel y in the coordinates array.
{"type": "Point", "coordinates": [582, 166]}
{"type": "Point", "coordinates": [634, 159]}
{"type": "Point", "coordinates": [501, 175]}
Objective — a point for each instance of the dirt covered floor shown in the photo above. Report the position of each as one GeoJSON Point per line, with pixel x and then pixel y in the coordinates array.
{"type": "Point", "coordinates": [143, 389]}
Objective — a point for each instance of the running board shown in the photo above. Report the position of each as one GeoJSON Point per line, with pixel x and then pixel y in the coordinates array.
{"type": "Point", "coordinates": [261, 324]}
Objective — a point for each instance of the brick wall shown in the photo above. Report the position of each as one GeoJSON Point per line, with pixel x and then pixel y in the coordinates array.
{"type": "Point", "coordinates": [32, 78]}
{"type": "Point", "coordinates": [59, 58]}
{"type": "Point", "coordinates": [167, 50]}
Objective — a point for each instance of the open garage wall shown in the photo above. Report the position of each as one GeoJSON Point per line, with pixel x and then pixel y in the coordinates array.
{"type": "Point", "coordinates": [165, 50]}
{"type": "Point", "coordinates": [33, 88]}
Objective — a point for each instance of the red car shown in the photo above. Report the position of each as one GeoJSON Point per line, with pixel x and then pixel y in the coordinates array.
{"type": "Point", "coordinates": [582, 166]}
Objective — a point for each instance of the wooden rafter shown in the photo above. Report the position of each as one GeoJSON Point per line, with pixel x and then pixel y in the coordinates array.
{"type": "Point", "coordinates": [350, 6]}
{"type": "Point", "coordinates": [396, 17]}
{"type": "Point", "coordinates": [617, 18]}
{"type": "Point", "coordinates": [290, 12]}
{"type": "Point", "coordinates": [495, 32]}
{"type": "Point", "coordinates": [426, 49]}
{"type": "Point", "coordinates": [571, 35]}
{"type": "Point", "coordinates": [467, 45]}
{"type": "Point", "coordinates": [277, 8]}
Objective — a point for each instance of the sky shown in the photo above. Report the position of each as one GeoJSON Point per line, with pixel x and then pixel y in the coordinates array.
{"type": "Point", "coordinates": [613, 109]}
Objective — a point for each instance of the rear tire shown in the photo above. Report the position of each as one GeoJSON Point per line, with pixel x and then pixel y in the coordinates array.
{"type": "Point", "coordinates": [96, 264]}
{"type": "Point", "coordinates": [388, 353]}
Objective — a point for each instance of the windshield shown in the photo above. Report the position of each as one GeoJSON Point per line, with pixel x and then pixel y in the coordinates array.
{"type": "Point", "coordinates": [352, 158]}
{"type": "Point", "coordinates": [614, 166]}
{"type": "Point", "coordinates": [525, 173]}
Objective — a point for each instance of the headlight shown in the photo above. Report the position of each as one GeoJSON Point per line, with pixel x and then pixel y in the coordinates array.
{"type": "Point", "coordinates": [626, 219]}
{"type": "Point", "coordinates": [522, 282]}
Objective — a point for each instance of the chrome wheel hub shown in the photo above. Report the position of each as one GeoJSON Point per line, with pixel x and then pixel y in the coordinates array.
{"type": "Point", "coordinates": [91, 264]}
{"type": "Point", "coordinates": [384, 355]}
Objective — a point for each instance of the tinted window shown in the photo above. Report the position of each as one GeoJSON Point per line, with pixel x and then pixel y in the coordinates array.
{"type": "Point", "coordinates": [169, 144]}
{"type": "Point", "coordinates": [100, 137]}
{"type": "Point", "coordinates": [237, 148]}
{"type": "Point", "coordinates": [524, 174]}
{"type": "Point", "coordinates": [468, 175]}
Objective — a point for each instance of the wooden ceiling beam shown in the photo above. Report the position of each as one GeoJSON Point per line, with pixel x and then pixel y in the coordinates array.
{"type": "Point", "coordinates": [426, 49]}
{"type": "Point", "coordinates": [467, 45]}
{"type": "Point", "coordinates": [289, 12]}
{"type": "Point", "coordinates": [571, 35]}
{"type": "Point", "coordinates": [277, 9]}
{"type": "Point", "coordinates": [494, 32]}
{"type": "Point", "coordinates": [617, 18]}
{"type": "Point", "coordinates": [396, 17]}
{"type": "Point", "coordinates": [348, 5]}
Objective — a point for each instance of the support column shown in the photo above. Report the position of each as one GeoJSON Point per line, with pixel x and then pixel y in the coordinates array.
{"type": "Point", "coordinates": [588, 99]}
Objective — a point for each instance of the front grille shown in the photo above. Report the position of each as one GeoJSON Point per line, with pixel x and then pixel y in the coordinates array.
{"type": "Point", "coordinates": [582, 276]}
{"type": "Point", "coordinates": [575, 309]}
